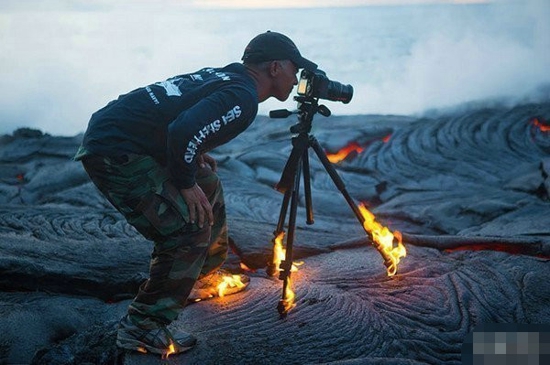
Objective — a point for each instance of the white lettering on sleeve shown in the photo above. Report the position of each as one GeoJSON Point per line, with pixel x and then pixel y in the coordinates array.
{"type": "Point", "coordinates": [211, 128]}
{"type": "Point", "coordinates": [152, 95]}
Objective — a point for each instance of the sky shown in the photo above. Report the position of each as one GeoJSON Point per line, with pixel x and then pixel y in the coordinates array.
{"type": "Point", "coordinates": [234, 4]}
{"type": "Point", "coordinates": [320, 3]}
{"type": "Point", "coordinates": [61, 60]}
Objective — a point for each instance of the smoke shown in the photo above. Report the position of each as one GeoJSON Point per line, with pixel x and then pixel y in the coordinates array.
{"type": "Point", "coordinates": [504, 54]}
{"type": "Point", "coordinates": [61, 65]}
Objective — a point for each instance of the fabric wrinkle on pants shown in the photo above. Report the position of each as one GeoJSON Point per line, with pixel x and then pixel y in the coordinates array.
{"type": "Point", "coordinates": [140, 189]}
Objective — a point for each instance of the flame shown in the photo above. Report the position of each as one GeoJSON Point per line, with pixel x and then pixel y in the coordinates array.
{"type": "Point", "coordinates": [387, 138]}
{"type": "Point", "coordinates": [279, 254]}
{"type": "Point", "coordinates": [229, 281]}
{"type": "Point", "coordinates": [288, 303]}
{"type": "Point", "coordinates": [245, 268]}
{"type": "Point", "coordinates": [541, 125]}
{"type": "Point", "coordinates": [278, 251]}
{"type": "Point", "coordinates": [171, 350]}
{"type": "Point", "coordinates": [383, 240]}
{"type": "Point", "coordinates": [344, 152]}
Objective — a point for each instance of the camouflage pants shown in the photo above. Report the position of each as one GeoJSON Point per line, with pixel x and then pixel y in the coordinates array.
{"type": "Point", "coordinates": [140, 189]}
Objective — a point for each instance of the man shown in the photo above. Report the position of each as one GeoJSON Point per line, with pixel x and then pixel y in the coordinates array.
{"type": "Point", "coordinates": [146, 152]}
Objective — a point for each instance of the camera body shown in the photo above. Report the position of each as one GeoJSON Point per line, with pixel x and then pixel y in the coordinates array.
{"type": "Point", "coordinates": [317, 85]}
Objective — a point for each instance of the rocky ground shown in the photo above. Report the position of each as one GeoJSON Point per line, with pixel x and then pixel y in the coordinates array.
{"type": "Point", "coordinates": [468, 189]}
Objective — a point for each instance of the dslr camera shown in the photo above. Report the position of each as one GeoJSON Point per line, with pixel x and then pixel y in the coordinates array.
{"type": "Point", "coordinates": [317, 85]}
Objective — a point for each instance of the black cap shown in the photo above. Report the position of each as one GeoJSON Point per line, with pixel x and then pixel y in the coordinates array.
{"type": "Point", "coordinates": [270, 46]}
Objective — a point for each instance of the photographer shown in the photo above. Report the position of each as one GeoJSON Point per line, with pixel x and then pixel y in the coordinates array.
{"type": "Point", "coordinates": [146, 152]}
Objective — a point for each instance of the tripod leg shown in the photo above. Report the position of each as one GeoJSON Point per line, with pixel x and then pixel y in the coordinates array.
{"type": "Point", "coordinates": [388, 261]}
{"type": "Point", "coordinates": [282, 214]}
{"type": "Point", "coordinates": [334, 176]}
{"type": "Point", "coordinates": [299, 145]}
{"type": "Point", "coordinates": [271, 268]}
{"type": "Point", "coordinates": [287, 303]}
{"type": "Point", "coordinates": [286, 186]}
{"type": "Point", "coordinates": [307, 188]}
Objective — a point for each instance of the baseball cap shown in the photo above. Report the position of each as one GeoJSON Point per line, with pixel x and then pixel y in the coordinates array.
{"type": "Point", "coordinates": [270, 46]}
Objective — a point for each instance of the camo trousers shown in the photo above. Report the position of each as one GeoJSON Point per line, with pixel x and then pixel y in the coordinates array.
{"type": "Point", "coordinates": [140, 189]}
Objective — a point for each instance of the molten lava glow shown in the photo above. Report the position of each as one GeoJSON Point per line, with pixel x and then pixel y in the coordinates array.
{"type": "Point", "coordinates": [383, 240]}
{"type": "Point", "coordinates": [229, 281]}
{"type": "Point", "coordinates": [541, 125]}
{"type": "Point", "coordinates": [344, 152]}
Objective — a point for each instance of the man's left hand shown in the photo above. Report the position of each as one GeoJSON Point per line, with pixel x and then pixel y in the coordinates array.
{"type": "Point", "coordinates": [206, 159]}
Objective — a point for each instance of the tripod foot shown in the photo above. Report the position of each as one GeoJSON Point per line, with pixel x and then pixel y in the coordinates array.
{"type": "Point", "coordinates": [283, 308]}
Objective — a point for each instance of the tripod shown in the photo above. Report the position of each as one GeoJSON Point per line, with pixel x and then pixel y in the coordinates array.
{"type": "Point", "coordinates": [289, 185]}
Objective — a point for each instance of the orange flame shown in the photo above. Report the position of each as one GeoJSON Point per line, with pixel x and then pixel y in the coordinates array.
{"type": "Point", "coordinates": [383, 240]}
{"type": "Point", "coordinates": [229, 281]}
{"type": "Point", "coordinates": [288, 303]}
{"type": "Point", "coordinates": [279, 255]}
{"type": "Point", "coordinates": [541, 125]}
{"type": "Point", "coordinates": [344, 152]}
{"type": "Point", "coordinates": [171, 350]}
{"type": "Point", "coordinates": [279, 252]}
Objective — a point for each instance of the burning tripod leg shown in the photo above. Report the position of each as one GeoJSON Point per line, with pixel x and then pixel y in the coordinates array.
{"type": "Point", "coordinates": [290, 186]}
{"type": "Point", "coordinates": [279, 265]}
{"type": "Point", "coordinates": [388, 244]}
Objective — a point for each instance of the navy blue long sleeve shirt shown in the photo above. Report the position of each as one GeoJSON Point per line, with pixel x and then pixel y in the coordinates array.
{"type": "Point", "coordinates": [176, 120]}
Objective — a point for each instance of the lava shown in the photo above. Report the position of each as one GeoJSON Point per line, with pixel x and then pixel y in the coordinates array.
{"type": "Point", "coordinates": [344, 152]}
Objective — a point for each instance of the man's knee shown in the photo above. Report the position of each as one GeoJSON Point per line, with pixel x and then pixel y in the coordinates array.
{"type": "Point", "coordinates": [183, 244]}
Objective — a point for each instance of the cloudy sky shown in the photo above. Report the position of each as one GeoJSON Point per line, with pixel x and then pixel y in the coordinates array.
{"type": "Point", "coordinates": [208, 4]}
{"type": "Point", "coordinates": [319, 3]}
{"type": "Point", "coordinates": [60, 60]}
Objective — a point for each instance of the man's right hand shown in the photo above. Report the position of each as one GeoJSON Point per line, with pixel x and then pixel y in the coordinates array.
{"type": "Point", "coordinates": [199, 206]}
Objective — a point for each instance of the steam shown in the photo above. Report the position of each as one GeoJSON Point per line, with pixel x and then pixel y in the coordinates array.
{"type": "Point", "coordinates": [507, 58]}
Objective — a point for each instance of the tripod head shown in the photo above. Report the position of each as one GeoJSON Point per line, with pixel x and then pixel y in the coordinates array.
{"type": "Point", "coordinates": [307, 108]}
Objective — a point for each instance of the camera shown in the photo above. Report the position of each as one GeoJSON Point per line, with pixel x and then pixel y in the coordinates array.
{"type": "Point", "coordinates": [317, 85]}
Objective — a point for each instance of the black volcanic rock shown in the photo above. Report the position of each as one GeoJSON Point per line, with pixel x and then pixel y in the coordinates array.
{"type": "Point", "coordinates": [469, 190]}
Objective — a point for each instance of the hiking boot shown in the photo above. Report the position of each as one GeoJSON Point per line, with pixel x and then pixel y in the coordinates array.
{"type": "Point", "coordinates": [157, 341]}
{"type": "Point", "coordinates": [218, 284]}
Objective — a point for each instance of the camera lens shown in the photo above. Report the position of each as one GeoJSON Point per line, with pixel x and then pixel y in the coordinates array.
{"type": "Point", "coordinates": [339, 92]}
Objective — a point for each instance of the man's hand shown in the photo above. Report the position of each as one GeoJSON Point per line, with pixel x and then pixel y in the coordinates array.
{"type": "Point", "coordinates": [205, 159]}
{"type": "Point", "coordinates": [199, 206]}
